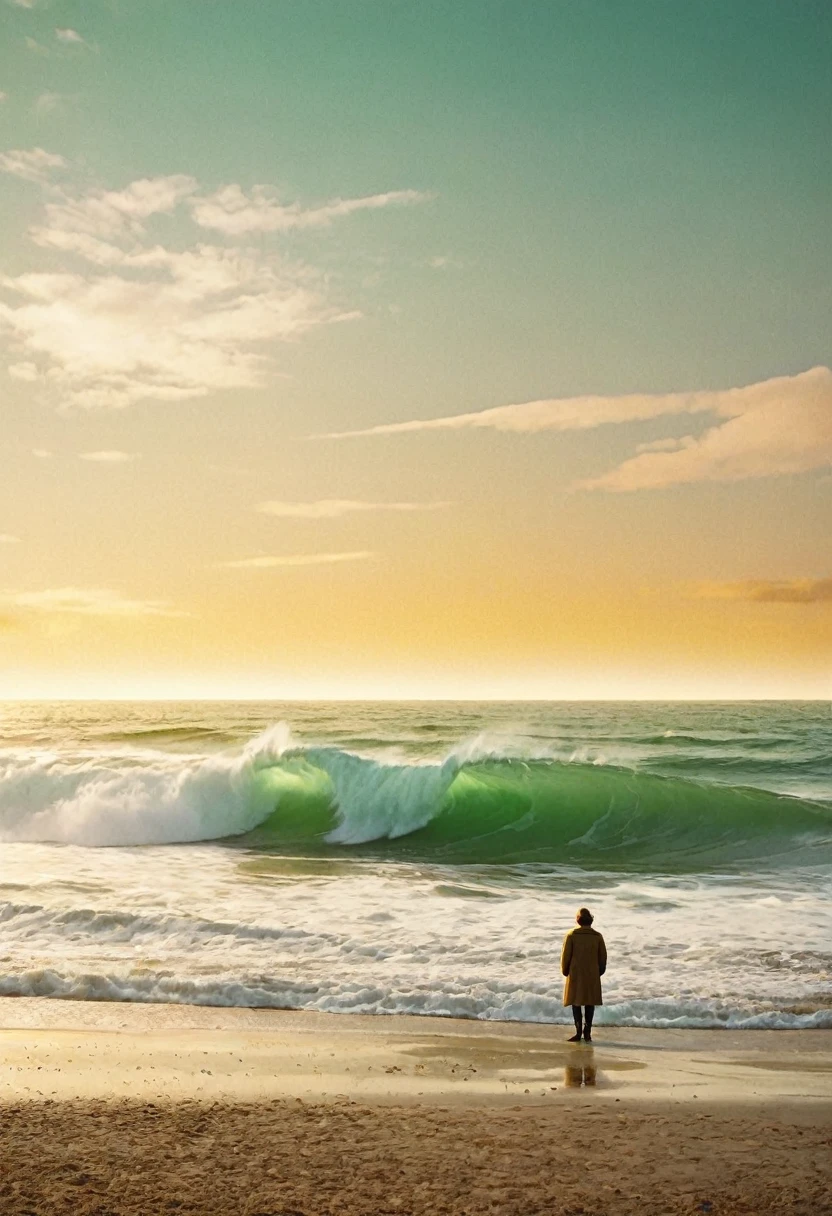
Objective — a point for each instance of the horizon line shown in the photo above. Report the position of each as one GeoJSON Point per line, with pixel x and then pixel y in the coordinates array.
{"type": "Point", "coordinates": [305, 700]}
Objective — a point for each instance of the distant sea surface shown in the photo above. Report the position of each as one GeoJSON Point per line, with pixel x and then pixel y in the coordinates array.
{"type": "Point", "coordinates": [421, 858]}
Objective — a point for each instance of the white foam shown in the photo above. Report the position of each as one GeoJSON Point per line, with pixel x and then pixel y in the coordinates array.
{"type": "Point", "coordinates": [92, 803]}
{"type": "Point", "coordinates": [210, 925]}
{"type": "Point", "coordinates": [378, 801]}
{"type": "Point", "coordinates": [452, 1001]}
{"type": "Point", "coordinates": [136, 798]}
{"type": "Point", "coordinates": [143, 798]}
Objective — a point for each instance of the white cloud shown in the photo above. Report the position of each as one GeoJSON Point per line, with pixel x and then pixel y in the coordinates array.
{"type": "Point", "coordinates": [69, 37]}
{"type": "Point", "coordinates": [112, 214]}
{"type": "Point", "coordinates": [771, 591]}
{"type": "Point", "coordinates": [530, 417]}
{"type": "Point", "coordinates": [441, 261]}
{"type": "Point", "coordinates": [778, 426]}
{"type": "Point", "coordinates": [33, 165]}
{"type": "Point", "coordinates": [333, 508]}
{"type": "Point", "coordinates": [23, 3]}
{"type": "Point", "coordinates": [3, 96]}
{"type": "Point", "coordinates": [42, 453]}
{"type": "Point", "coordinates": [109, 456]}
{"type": "Point", "coordinates": [232, 211]}
{"type": "Point", "coordinates": [37, 48]}
{"type": "Point", "coordinates": [110, 340]}
{"type": "Point", "coordinates": [49, 103]}
{"type": "Point", "coordinates": [125, 318]}
{"type": "Point", "coordinates": [303, 559]}
{"type": "Point", "coordinates": [23, 371]}
{"type": "Point", "coordinates": [6, 538]}
{"type": "Point", "coordinates": [92, 601]}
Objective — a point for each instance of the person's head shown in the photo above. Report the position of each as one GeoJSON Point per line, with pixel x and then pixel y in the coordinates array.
{"type": "Point", "coordinates": [584, 917]}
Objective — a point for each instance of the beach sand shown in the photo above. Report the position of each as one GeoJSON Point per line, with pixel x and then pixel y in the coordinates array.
{"type": "Point", "coordinates": [115, 1108]}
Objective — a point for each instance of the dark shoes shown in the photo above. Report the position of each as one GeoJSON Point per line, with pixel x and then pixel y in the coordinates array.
{"type": "Point", "coordinates": [587, 1037]}
{"type": "Point", "coordinates": [575, 1038]}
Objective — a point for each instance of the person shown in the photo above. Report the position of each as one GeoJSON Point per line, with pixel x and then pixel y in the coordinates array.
{"type": "Point", "coordinates": [583, 961]}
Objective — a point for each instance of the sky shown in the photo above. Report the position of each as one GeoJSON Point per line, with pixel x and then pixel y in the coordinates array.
{"type": "Point", "coordinates": [372, 348]}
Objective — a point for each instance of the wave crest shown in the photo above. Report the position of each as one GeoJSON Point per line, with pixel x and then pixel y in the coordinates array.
{"type": "Point", "coordinates": [476, 806]}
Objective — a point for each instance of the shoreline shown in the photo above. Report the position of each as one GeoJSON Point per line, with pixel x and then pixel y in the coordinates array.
{"type": "Point", "coordinates": [133, 1110]}
{"type": "Point", "coordinates": [60, 1050]}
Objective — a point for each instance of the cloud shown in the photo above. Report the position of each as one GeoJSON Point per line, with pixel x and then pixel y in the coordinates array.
{"type": "Point", "coordinates": [777, 426]}
{"type": "Point", "coordinates": [109, 456]}
{"type": "Point", "coordinates": [777, 591]}
{"type": "Point", "coordinates": [124, 318]}
{"type": "Point", "coordinates": [93, 601]}
{"type": "Point", "coordinates": [441, 261]}
{"type": "Point", "coordinates": [66, 37]}
{"type": "Point", "coordinates": [303, 559]}
{"type": "Point", "coordinates": [232, 211]}
{"type": "Point", "coordinates": [23, 371]}
{"type": "Point", "coordinates": [334, 508]}
{"type": "Point", "coordinates": [109, 340]}
{"type": "Point", "coordinates": [42, 453]}
{"type": "Point", "coordinates": [112, 214]}
{"type": "Point", "coordinates": [3, 96]}
{"type": "Point", "coordinates": [23, 3]}
{"type": "Point", "coordinates": [6, 538]}
{"type": "Point", "coordinates": [33, 165]}
{"type": "Point", "coordinates": [69, 37]}
{"type": "Point", "coordinates": [50, 103]}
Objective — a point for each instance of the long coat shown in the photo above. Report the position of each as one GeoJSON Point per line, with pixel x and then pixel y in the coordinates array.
{"type": "Point", "coordinates": [583, 961]}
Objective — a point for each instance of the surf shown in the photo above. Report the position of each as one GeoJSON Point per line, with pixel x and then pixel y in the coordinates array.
{"type": "Point", "coordinates": [471, 807]}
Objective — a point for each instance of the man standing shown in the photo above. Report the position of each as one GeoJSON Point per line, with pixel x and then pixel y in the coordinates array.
{"type": "Point", "coordinates": [583, 961]}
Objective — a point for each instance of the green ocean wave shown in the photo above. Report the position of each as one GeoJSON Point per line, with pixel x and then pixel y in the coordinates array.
{"type": "Point", "coordinates": [506, 811]}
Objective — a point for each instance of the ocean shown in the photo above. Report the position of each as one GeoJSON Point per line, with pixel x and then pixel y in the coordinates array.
{"type": "Point", "coordinates": [421, 858]}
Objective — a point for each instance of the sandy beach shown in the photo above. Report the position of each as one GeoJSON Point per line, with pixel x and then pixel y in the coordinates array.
{"type": "Point", "coordinates": [109, 1108]}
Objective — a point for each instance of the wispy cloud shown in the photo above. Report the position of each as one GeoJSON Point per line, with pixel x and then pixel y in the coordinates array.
{"type": "Point", "coordinates": [3, 97]}
{"type": "Point", "coordinates": [6, 538]}
{"type": "Point", "coordinates": [27, 372]}
{"type": "Point", "coordinates": [302, 559]}
{"type": "Point", "coordinates": [42, 453]}
{"type": "Point", "coordinates": [23, 3]}
{"type": "Point", "coordinates": [775, 591]}
{"type": "Point", "coordinates": [50, 103]}
{"type": "Point", "coordinates": [128, 318]}
{"type": "Point", "coordinates": [86, 601]}
{"type": "Point", "coordinates": [33, 165]}
{"type": "Point", "coordinates": [109, 456]}
{"type": "Point", "coordinates": [111, 215]}
{"type": "Point", "coordinates": [334, 508]}
{"type": "Point", "coordinates": [442, 261]}
{"type": "Point", "coordinates": [234, 212]}
{"type": "Point", "coordinates": [777, 426]}
{"type": "Point", "coordinates": [69, 37]}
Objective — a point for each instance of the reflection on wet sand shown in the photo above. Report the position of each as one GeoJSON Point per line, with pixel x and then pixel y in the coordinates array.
{"type": "Point", "coordinates": [581, 1072]}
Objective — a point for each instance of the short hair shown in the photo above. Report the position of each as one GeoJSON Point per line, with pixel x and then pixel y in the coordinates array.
{"type": "Point", "coordinates": [584, 917]}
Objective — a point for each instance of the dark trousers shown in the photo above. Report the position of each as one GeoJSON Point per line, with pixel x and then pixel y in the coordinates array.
{"type": "Point", "coordinates": [584, 1022]}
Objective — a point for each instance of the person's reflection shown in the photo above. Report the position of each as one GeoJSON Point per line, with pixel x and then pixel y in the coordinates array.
{"type": "Point", "coordinates": [580, 1073]}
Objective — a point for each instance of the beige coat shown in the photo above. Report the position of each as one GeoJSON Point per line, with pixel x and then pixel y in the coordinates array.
{"type": "Point", "coordinates": [583, 961]}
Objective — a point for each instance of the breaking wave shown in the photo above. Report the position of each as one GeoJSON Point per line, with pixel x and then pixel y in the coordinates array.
{"type": "Point", "coordinates": [472, 807]}
{"type": "Point", "coordinates": [494, 1002]}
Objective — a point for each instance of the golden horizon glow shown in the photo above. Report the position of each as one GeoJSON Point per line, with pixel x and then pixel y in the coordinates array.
{"type": "Point", "coordinates": [317, 405]}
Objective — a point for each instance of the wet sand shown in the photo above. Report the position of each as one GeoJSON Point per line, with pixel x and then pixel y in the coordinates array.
{"type": "Point", "coordinates": [108, 1108]}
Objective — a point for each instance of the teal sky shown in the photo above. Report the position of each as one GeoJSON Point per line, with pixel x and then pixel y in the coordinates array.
{"type": "Point", "coordinates": [640, 191]}
{"type": "Point", "coordinates": [614, 198]}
